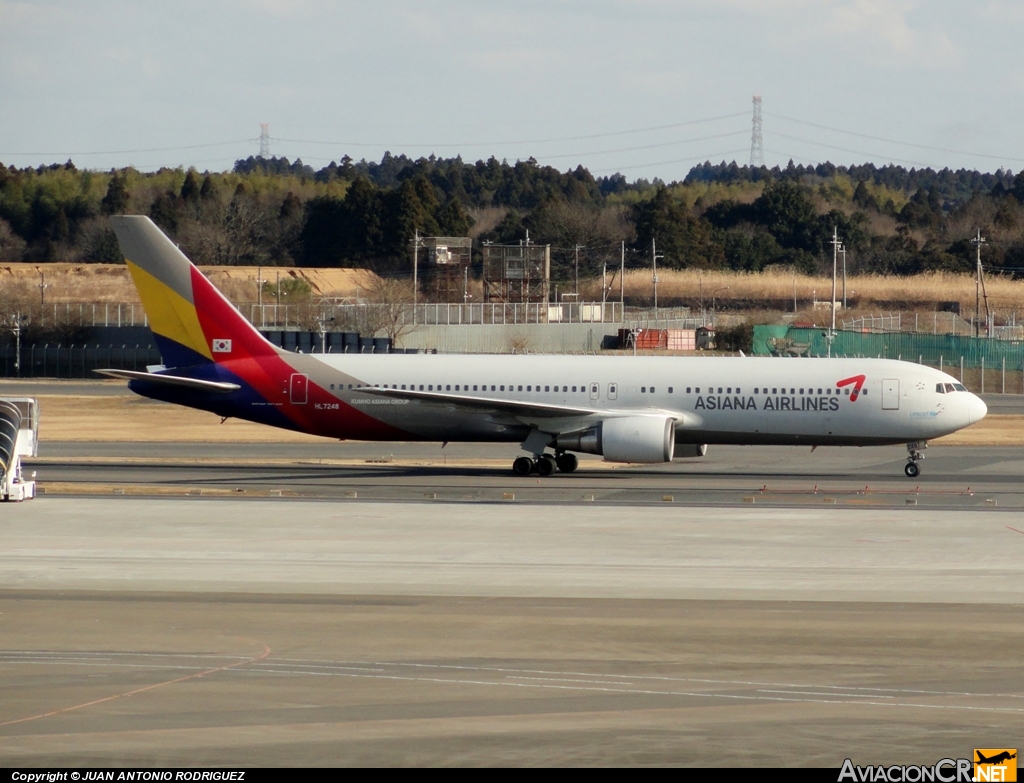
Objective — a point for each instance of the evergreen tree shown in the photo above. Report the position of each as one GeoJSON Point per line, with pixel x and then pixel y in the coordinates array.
{"type": "Point", "coordinates": [190, 188]}
{"type": "Point", "coordinates": [115, 202]}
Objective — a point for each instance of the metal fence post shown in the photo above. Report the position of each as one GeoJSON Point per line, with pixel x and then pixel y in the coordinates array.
{"type": "Point", "coordinates": [961, 369]}
{"type": "Point", "coordinates": [982, 374]}
{"type": "Point", "coordinates": [1004, 375]}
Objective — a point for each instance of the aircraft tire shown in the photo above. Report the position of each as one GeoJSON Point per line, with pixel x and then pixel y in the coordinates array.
{"type": "Point", "coordinates": [912, 470]}
{"type": "Point", "coordinates": [567, 463]}
{"type": "Point", "coordinates": [523, 466]}
{"type": "Point", "coordinates": [546, 465]}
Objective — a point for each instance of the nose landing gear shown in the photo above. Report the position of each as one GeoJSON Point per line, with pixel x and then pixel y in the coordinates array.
{"type": "Point", "coordinates": [914, 456]}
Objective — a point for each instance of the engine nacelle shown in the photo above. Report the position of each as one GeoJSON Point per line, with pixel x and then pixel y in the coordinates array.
{"type": "Point", "coordinates": [684, 450]}
{"type": "Point", "coordinates": [627, 439]}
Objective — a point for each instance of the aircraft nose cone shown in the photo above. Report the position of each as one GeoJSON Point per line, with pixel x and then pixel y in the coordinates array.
{"type": "Point", "coordinates": [976, 409]}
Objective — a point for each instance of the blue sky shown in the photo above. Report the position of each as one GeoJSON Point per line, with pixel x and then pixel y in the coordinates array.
{"type": "Point", "coordinates": [648, 88]}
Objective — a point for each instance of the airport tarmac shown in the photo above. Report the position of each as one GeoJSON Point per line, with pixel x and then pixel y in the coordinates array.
{"type": "Point", "coordinates": [952, 476]}
{"type": "Point", "coordinates": [323, 604]}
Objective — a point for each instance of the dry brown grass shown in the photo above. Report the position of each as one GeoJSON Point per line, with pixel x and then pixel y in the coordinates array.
{"type": "Point", "coordinates": [131, 419]}
{"type": "Point", "coordinates": [993, 430]}
{"type": "Point", "coordinates": [112, 283]}
{"type": "Point", "coordinates": [1004, 293]}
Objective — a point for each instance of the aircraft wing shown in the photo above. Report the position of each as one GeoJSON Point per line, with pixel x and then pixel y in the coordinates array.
{"type": "Point", "coordinates": [537, 414]}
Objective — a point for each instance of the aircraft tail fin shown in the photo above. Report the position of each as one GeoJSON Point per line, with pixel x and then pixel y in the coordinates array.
{"type": "Point", "coordinates": [192, 322]}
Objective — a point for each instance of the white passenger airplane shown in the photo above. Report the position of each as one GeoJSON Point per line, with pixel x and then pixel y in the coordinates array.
{"type": "Point", "coordinates": [625, 408]}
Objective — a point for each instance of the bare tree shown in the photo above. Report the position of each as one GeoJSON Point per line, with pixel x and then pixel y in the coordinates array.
{"type": "Point", "coordinates": [12, 247]}
{"type": "Point", "coordinates": [393, 312]}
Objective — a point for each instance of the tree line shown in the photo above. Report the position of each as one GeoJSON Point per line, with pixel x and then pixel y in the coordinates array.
{"type": "Point", "coordinates": [359, 213]}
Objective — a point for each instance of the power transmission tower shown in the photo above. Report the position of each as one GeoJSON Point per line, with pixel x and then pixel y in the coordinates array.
{"type": "Point", "coordinates": [756, 142]}
{"type": "Point", "coordinates": [265, 140]}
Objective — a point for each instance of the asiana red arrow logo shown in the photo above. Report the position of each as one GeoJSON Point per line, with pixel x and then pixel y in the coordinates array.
{"type": "Point", "coordinates": [858, 384]}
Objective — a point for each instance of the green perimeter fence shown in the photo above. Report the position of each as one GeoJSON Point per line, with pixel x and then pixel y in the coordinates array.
{"type": "Point", "coordinates": [936, 350]}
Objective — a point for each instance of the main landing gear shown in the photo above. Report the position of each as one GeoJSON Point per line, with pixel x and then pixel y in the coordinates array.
{"type": "Point", "coordinates": [545, 464]}
{"type": "Point", "coordinates": [914, 456]}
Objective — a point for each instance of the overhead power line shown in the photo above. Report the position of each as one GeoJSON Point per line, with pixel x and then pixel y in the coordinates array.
{"type": "Point", "coordinates": [847, 149]}
{"type": "Point", "coordinates": [690, 159]}
{"type": "Point", "coordinates": [894, 141]}
{"type": "Point", "coordinates": [132, 152]}
{"type": "Point", "coordinates": [521, 141]}
{"type": "Point", "coordinates": [647, 146]}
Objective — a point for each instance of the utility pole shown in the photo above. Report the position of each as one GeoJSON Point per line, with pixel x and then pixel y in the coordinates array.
{"type": "Point", "coordinates": [13, 322]}
{"type": "Point", "coordinates": [622, 281]}
{"type": "Point", "coordinates": [576, 286]}
{"type": "Point", "coordinates": [415, 271]}
{"type": "Point", "coordinates": [604, 285]}
{"type": "Point", "coordinates": [978, 241]}
{"type": "Point", "coordinates": [832, 304]}
{"type": "Point", "coordinates": [843, 251]}
{"type": "Point", "coordinates": [654, 267]}
{"type": "Point", "coordinates": [259, 295]}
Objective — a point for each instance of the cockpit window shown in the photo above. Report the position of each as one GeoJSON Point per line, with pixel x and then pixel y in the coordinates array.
{"type": "Point", "coordinates": [950, 388]}
{"type": "Point", "coordinates": [959, 387]}
{"type": "Point", "coordinates": [940, 388]}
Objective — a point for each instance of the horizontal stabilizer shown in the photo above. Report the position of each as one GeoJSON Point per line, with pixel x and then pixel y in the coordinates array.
{"type": "Point", "coordinates": [171, 380]}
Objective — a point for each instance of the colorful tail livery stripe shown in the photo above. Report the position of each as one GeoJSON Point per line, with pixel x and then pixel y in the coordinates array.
{"type": "Point", "coordinates": [191, 320]}
{"type": "Point", "coordinates": [220, 362]}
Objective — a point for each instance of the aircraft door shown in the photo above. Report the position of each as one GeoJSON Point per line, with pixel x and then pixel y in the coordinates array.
{"type": "Point", "coordinates": [613, 391]}
{"type": "Point", "coordinates": [595, 391]}
{"type": "Point", "coordinates": [890, 394]}
{"type": "Point", "coordinates": [299, 388]}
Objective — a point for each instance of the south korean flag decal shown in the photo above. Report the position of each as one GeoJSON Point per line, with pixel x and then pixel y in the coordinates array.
{"type": "Point", "coordinates": [222, 346]}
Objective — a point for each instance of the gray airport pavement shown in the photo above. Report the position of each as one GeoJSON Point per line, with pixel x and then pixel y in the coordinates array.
{"type": "Point", "coordinates": [275, 545]}
{"type": "Point", "coordinates": [952, 476]}
{"type": "Point", "coordinates": [193, 631]}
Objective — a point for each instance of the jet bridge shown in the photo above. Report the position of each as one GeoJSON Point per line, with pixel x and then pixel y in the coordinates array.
{"type": "Point", "coordinates": [19, 437]}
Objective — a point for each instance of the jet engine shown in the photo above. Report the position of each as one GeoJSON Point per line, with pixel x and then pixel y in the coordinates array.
{"type": "Point", "coordinates": [626, 439]}
{"type": "Point", "coordinates": [684, 450]}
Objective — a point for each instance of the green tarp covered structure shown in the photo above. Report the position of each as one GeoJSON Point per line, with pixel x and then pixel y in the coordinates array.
{"type": "Point", "coordinates": [931, 349]}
